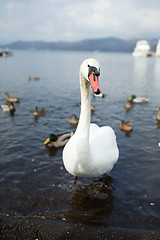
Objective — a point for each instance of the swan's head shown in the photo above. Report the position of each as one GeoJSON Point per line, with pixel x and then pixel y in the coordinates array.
{"type": "Point", "coordinates": [90, 70]}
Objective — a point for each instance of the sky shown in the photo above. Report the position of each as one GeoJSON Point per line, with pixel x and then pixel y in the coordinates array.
{"type": "Point", "coordinates": [71, 20]}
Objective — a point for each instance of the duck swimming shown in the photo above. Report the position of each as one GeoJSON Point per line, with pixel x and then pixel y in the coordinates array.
{"type": "Point", "coordinates": [55, 141]}
{"type": "Point", "coordinates": [135, 99]}
{"type": "Point", "coordinates": [128, 105]}
{"type": "Point", "coordinates": [11, 99]}
{"type": "Point", "coordinates": [92, 150]}
{"type": "Point", "coordinates": [8, 108]}
{"type": "Point", "coordinates": [38, 112]}
{"type": "Point", "coordinates": [73, 119]}
{"type": "Point", "coordinates": [33, 78]}
{"type": "Point", "coordinates": [126, 126]}
{"type": "Point", "coordinates": [158, 114]}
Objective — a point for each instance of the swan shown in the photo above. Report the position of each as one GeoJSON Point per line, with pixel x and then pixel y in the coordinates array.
{"type": "Point", "coordinates": [92, 108]}
{"type": "Point", "coordinates": [92, 150]}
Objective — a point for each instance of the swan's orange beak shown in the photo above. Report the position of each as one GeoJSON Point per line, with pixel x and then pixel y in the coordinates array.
{"type": "Point", "coordinates": [95, 83]}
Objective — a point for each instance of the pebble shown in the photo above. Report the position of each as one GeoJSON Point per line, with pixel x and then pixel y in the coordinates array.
{"type": "Point", "coordinates": [152, 203]}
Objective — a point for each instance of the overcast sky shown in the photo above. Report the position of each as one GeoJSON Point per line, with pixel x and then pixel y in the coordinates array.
{"type": "Point", "coordinates": [72, 20]}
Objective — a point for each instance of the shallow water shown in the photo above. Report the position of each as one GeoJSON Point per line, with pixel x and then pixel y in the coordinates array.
{"type": "Point", "coordinates": [33, 180]}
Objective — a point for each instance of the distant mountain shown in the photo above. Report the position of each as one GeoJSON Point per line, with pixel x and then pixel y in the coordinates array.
{"type": "Point", "coordinates": [109, 44]}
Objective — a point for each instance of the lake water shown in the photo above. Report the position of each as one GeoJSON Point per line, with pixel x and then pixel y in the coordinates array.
{"type": "Point", "coordinates": [34, 181]}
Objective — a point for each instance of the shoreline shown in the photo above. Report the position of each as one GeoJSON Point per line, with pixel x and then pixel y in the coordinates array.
{"type": "Point", "coordinates": [37, 229]}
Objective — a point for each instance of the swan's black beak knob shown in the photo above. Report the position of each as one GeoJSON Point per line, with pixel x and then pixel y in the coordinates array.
{"type": "Point", "coordinates": [98, 91]}
{"type": "Point", "coordinates": [97, 73]}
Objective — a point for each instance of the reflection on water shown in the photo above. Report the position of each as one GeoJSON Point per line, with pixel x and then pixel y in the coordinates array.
{"type": "Point", "coordinates": [140, 68]}
{"type": "Point", "coordinates": [33, 179]}
{"type": "Point", "coordinates": [157, 70]}
{"type": "Point", "coordinates": [90, 203]}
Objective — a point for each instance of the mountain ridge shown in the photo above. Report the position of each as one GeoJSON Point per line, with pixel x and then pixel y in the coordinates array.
{"type": "Point", "coordinates": [108, 44]}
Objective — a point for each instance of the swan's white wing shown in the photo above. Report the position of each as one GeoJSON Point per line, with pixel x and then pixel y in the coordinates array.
{"type": "Point", "coordinates": [103, 147]}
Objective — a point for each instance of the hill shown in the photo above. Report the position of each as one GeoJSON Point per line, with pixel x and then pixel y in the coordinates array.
{"type": "Point", "coordinates": [109, 44]}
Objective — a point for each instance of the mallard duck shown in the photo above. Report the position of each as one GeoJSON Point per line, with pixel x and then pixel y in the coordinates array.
{"type": "Point", "coordinates": [92, 150]}
{"type": "Point", "coordinates": [38, 113]}
{"type": "Point", "coordinates": [5, 108]}
{"type": "Point", "coordinates": [11, 99]}
{"type": "Point", "coordinates": [33, 78]}
{"type": "Point", "coordinates": [158, 114]}
{"type": "Point", "coordinates": [55, 141]}
{"type": "Point", "coordinates": [73, 119]}
{"type": "Point", "coordinates": [128, 105]}
{"type": "Point", "coordinates": [138, 99]}
{"type": "Point", "coordinates": [8, 108]}
{"type": "Point", "coordinates": [126, 126]}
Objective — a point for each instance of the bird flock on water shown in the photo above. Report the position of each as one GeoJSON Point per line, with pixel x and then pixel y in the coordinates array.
{"type": "Point", "coordinates": [91, 150]}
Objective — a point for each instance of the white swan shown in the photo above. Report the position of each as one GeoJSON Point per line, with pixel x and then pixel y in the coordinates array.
{"type": "Point", "coordinates": [91, 151]}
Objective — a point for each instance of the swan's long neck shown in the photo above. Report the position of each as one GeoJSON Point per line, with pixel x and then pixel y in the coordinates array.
{"type": "Point", "coordinates": [84, 120]}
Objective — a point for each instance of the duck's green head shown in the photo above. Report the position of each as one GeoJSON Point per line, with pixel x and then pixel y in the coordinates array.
{"type": "Point", "coordinates": [133, 96]}
{"type": "Point", "coordinates": [52, 138]}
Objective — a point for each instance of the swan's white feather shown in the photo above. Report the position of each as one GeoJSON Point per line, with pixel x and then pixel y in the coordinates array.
{"type": "Point", "coordinates": [94, 157]}
{"type": "Point", "coordinates": [103, 147]}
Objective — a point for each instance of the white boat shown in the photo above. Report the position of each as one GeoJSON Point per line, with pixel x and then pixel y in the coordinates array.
{"type": "Point", "coordinates": [158, 49]}
{"type": "Point", "coordinates": [142, 49]}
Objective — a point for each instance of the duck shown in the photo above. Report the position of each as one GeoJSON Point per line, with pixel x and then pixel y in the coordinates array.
{"type": "Point", "coordinates": [38, 112]}
{"type": "Point", "coordinates": [56, 141]}
{"type": "Point", "coordinates": [158, 114]}
{"type": "Point", "coordinates": [73, 119]}
{"type": "Point", "coordinates": [126, 126]}
{"type": "Point", "coordinates": [128, 104]}
{"type": "Point", "coordinates": [92, 108]}
{"type": "Point", "coordinates": [11, 99]}
{"type": "Point", "coordinates": [8, 108]}
{"type": "Point", "coordinates": [33, 78]}
{"type": "Point", "coordinates": [92, 150]}
{"type": "Point", "coordinates": [135, 99]}
{"type": "Point", "coordinates": [101, 95]}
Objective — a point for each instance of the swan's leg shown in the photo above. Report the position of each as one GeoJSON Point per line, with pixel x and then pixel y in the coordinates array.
{"type": "Point", "coordinates": [75, 179]}
{"type": "Point", "coordinates": [104, 180]}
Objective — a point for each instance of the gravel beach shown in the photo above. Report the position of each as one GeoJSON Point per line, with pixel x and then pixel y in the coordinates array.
{"type": "Point", "coordinates": [38, 229]}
